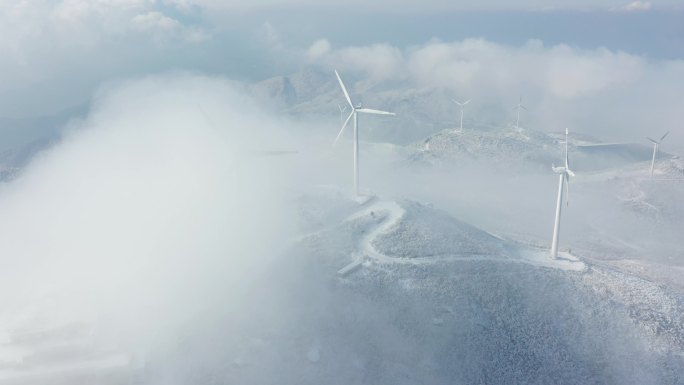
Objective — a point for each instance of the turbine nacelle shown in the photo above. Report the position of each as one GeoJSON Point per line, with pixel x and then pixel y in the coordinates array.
{"type": "Point", "coordinates": [657, 142]}
{"type": "Point", "coordinates": [562, 170]}
{"type": "Point", "coordinates": [354, 109]}
{"type": "Point", "coordinates": [520, 105]}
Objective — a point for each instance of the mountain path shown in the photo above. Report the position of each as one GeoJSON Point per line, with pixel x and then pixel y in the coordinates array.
{"type": "Point", "coordinates": [367, 252]}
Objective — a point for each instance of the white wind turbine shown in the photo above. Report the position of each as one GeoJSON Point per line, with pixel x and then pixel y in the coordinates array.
{"type": "Point", "coordinates": [355, 110]}
{"type": "Point", "coordinates": [519, 107]}
{"type": "Point", "coordinates": [342, 110]}
{"type": "Point", "coordinates": [656, 147]}
{"type": "Point", "coordinates": [461, 105]}
{"type": "Point", "coordinates": [564, 178]}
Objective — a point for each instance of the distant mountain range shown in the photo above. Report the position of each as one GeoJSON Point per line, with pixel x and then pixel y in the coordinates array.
{"type": "Point", "coordinates": [426, 122]}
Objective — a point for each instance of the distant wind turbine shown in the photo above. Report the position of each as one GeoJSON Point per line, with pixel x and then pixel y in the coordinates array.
{"type": "Point", "coordinates": [519, 107]}
{"type": "Point", "coordinates": [355, 110]}
{"type": "Point", "coordinates": [656, 147]}
{"type": "Point", "coordinates": [342, 110]}
{"type": "Point", "coordinates": [564, 178]}
{"type": "Point", "coordinates": [461, 105]}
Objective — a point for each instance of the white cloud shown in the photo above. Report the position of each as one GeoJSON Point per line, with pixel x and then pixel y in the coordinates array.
{"type": "Point", "coordinates": [164, 27]}
{"type": "Point", "coordinates": [155, 20]}
{"type": "Point", "coordinates": [378, 61]}
{"type": "Point", "coordinates": [30, 25]}
{"type": "Point", "coordinates": [561, 71]}
{"type": "Point", "coordinates": [183, 5]}
{"type": "Point", "coordinates": [319, 48]}
{"type": "Point", "coordinates": [611, 93]}
{"type": "Point", "coordinates": [638, 6]}
{"type": "Point", "coordinates": [270, 36]}
{"type": "Point", "coordinates": [44, 40]}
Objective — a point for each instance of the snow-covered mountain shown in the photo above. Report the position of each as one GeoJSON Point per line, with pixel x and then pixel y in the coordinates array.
{"type": "Point", "coordinates": [313, 94]}
{"type": "Point", "coordinates": [427, 121]}
{"type": "Point", "coordinates": [520, 149]}
{"type": "Point", "coordinates": [387, 290]}
{"type": "Point", "coordinates": [433, 300]}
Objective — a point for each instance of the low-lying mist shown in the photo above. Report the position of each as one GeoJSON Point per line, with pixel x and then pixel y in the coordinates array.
{"type": "Point", "coordinates": [162, 200]}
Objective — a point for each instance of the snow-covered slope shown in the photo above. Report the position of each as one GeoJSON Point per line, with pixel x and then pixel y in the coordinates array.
{"type": "Point", "coordinates": [520, 149]}
{"type": "Point", "coordinates": [311, 94]}
{"type": "Point", "coordinates": [434, 300]}
{"type": "Point", "coordinates": [504, 148]}
{"type": "Point", "coordinates": [407, 317]}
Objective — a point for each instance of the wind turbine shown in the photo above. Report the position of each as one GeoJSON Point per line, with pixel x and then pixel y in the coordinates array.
{"type": "Point", "coordinates": [656, 145]}
{"type": "Point", "coordinates": [461, 105]}
{"type": "Point", "coordinates": [519, 107]}
{"type": "Point", "coordinates": [342, 110]}
{"type": "Point", "coordinates": [355, 110]}
{"type": "Point", "coordinates": [564, 178]}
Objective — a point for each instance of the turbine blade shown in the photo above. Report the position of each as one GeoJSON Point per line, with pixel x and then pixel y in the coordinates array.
{"type": "Point", "coordinates": [523, 107]}
{"type": "Point", "coordinates": [375, 112]}
{"type": "Point", "coordinates": [343, 127]}
{"type": "Point", "coordinates": [663, 137]}
{"type": "Point", "coordinates": [570, 172]}
{"type": "Point", "coordinates": [652, 140]}
{"type": "Point", "coordinates": [344, 89]}
{"type": "Point", "coordinates": [567, 163]}
{"type": "Point", "coordinates": [466, 102]}
{"type": "Point", "coordinates": [567, 188]}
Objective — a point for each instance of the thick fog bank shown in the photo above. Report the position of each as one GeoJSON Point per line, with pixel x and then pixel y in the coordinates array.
{"type": "Point", "coordinates": [162, 200]}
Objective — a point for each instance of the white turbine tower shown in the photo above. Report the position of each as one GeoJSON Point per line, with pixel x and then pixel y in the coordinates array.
{"type": "Point", "coordinates": [564, 178]}
{"type": "Point", "coordinates": [656, 146]}
{"type": "Point", "coordinates": [355, 110]}
{"type": "Point", "coordinates": [519, 107]}
{"type": "Point", "coordinates": [342, 110]}
{"type": "Point", "coordinates": [461, 105]}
